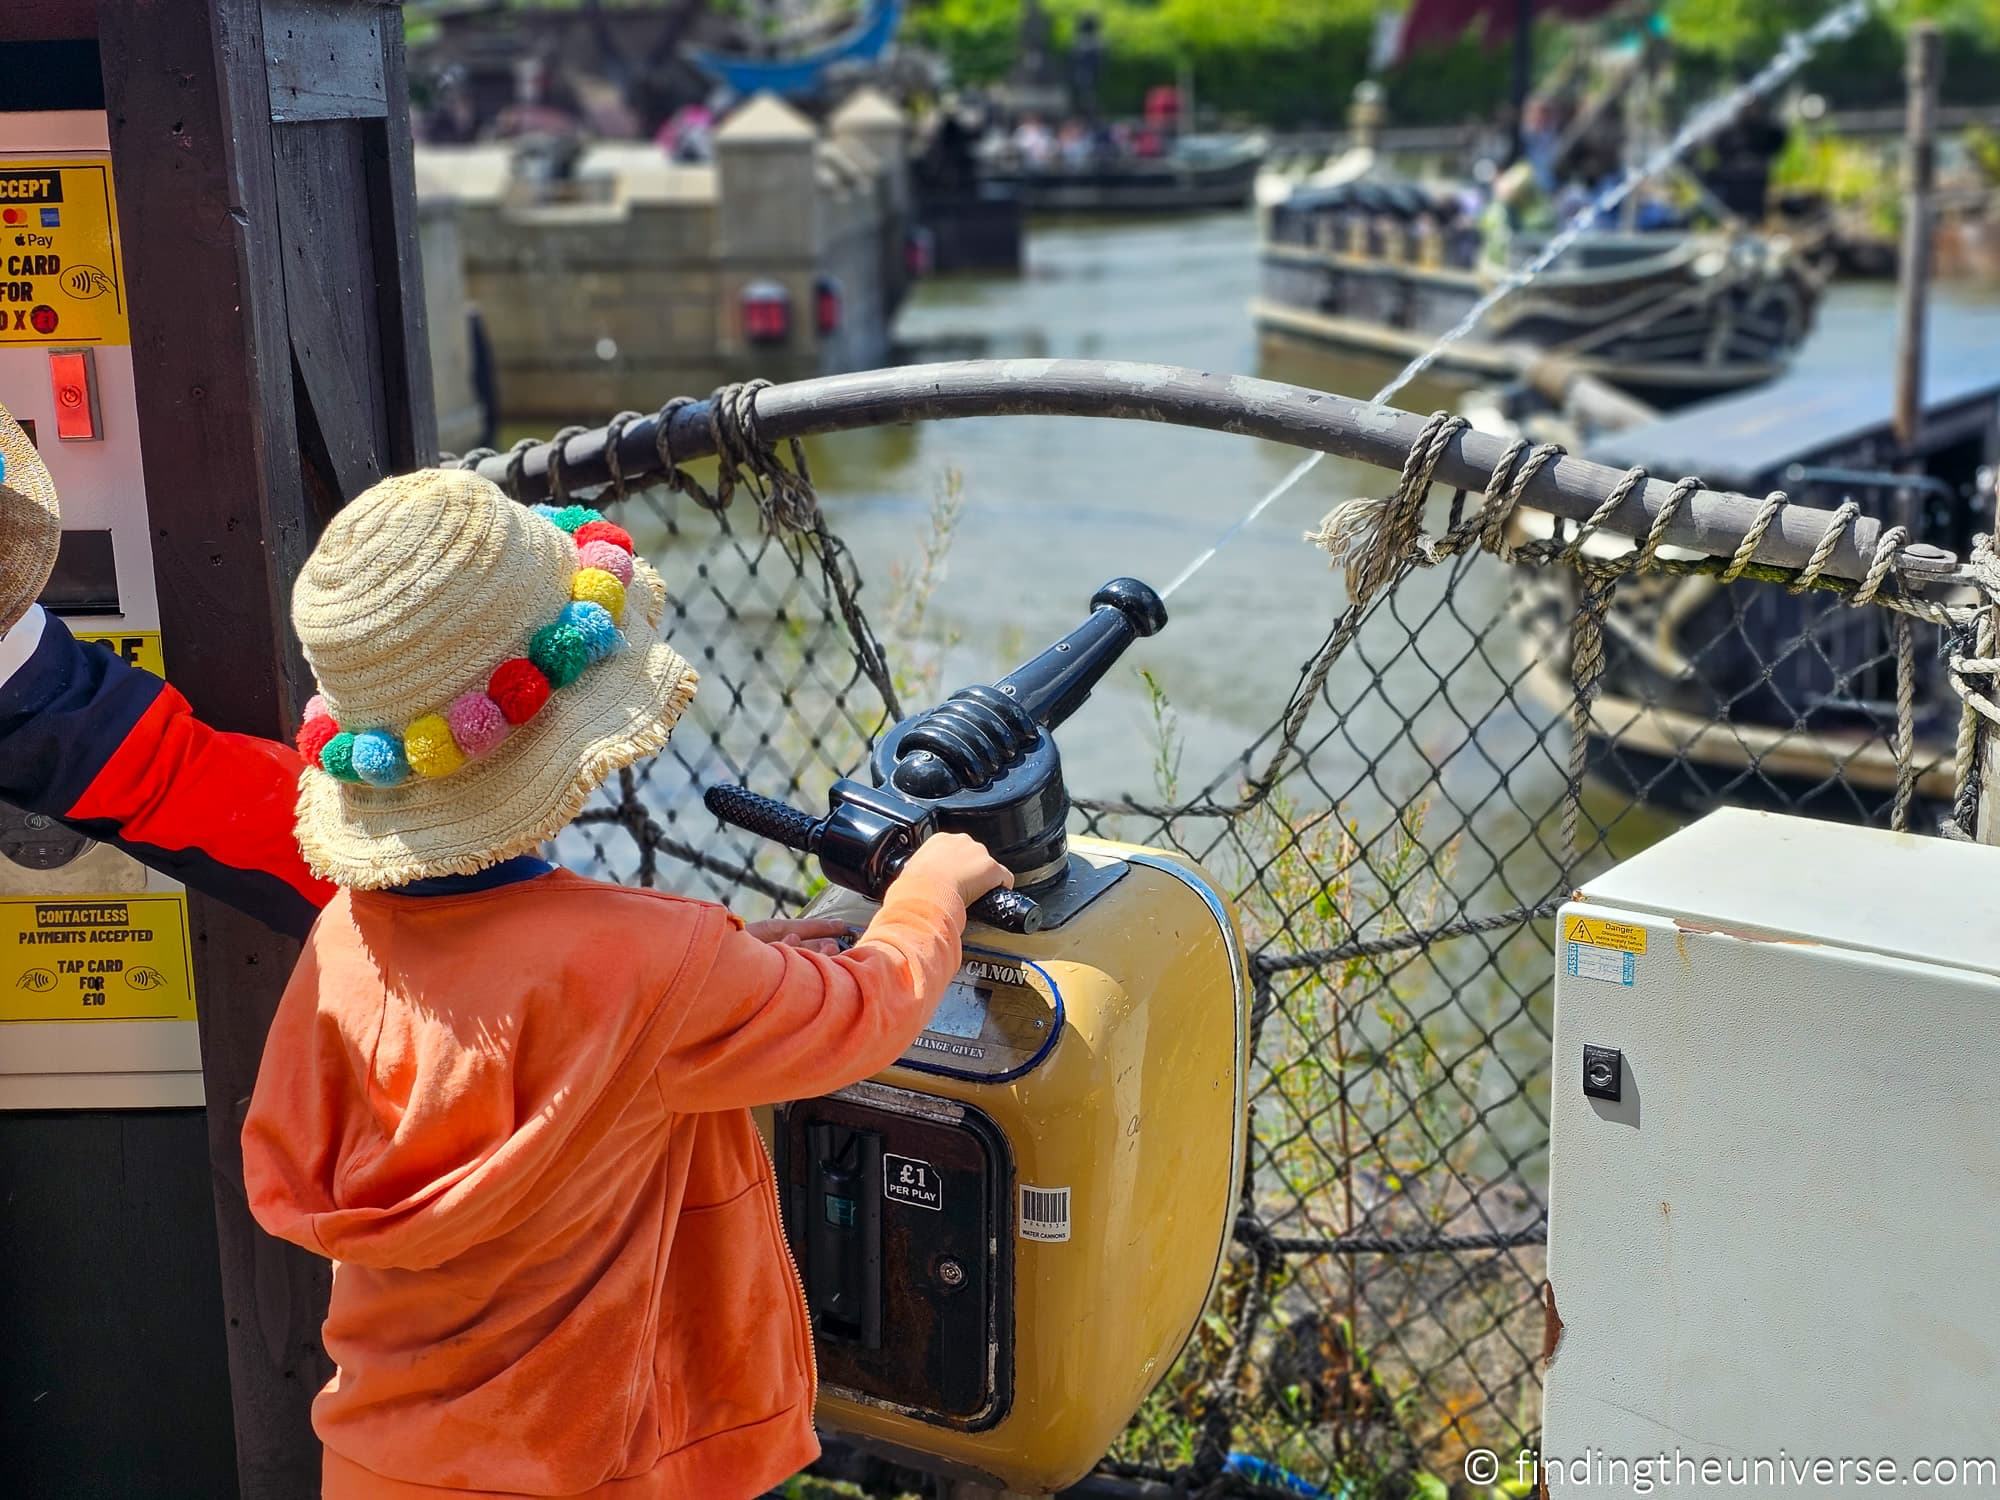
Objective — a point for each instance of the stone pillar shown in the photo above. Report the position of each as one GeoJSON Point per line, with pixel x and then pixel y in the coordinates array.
{"type": "Point", "coordinates": [767, 228]}
{"type": "Point", "coordinates": [870, 119]}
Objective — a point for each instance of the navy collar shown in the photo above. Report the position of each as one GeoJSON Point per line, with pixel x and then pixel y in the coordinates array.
{"type": "Point", "coordinates": [508, 872]}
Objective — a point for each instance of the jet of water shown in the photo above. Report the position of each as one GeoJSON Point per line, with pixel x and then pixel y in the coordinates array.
{"type": "Point", "coordinates": [1792, 54]}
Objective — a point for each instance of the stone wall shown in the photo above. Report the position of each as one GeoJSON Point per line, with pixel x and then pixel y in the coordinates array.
{"type": "Point", "coordinates": [623, 285]}
{"type": "Point", "coordinates": [460, 420]}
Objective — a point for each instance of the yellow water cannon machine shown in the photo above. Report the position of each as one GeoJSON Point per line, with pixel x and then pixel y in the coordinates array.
{"type": "Point", "coordinates": [1007, 1238]}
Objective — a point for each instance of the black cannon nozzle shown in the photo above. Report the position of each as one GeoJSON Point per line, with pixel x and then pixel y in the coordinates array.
{"type": "Point", "coordinates": [1134, 600]}
{"type": "Point", "coordinates": [1055, 684]}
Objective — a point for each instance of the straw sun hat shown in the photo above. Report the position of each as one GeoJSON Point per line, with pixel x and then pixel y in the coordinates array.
{"type": "Point", "coordinates": [482, 666]}
{"type": "Point", "coordinates": [30, 522]}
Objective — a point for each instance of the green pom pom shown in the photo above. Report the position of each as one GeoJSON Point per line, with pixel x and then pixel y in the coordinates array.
{"type": "Point", "coordinates": [560, 651]}
{"type": "Point", "coordinates": [571, 517]}
{"type": "Point", "coordinates": [336, 758]}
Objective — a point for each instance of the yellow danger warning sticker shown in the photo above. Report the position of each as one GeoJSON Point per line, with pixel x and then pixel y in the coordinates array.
{"type": "Point", "coordinates": [1624, 937]}
{"type": "Point", "coordinates": [139, 647]}
{"type": "Point", "coordinates": [61, 281]}
{"type": "Point", "coordinates": [96, 958]}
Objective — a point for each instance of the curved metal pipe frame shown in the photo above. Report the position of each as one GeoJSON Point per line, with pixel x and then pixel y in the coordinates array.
{"type": "Point", "coordinates": [1713, 522]}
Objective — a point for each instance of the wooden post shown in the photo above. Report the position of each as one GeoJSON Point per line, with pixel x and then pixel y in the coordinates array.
{"type": "Point", "coordinates": [1524, 74]}
{"type": "Point", "coordinates": [1919, 172]}
{"type": "Point", "coordinates": [261, 151]}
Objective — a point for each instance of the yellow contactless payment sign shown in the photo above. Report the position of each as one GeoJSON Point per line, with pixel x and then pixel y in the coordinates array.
{"type": "Point", "coordinates": [96, 958]}
{"type": "Point", "coordinates": [61, 281]}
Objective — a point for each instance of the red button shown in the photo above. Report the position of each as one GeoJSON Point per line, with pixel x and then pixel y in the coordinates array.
{"type": "Point", "coordinates": [69, 379]}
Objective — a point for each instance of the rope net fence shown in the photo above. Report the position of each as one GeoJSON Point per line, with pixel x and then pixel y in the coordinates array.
{"type": "Point", "coordinates": [1501, 705]}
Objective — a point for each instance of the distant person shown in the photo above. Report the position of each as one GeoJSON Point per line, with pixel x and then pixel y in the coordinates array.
{"type": "Point", "coordinates": [454, 120]}
{"type": "Point", "coordinates": [1541, 138]}
{"type": "Point", "coordinates": [688, 135]}
{"type": "Point", "coordinates": [1086, 63]}
{"type": "Point", "coordinates": [1519, 207]}
{"type": "Point", "coordinates": [951, 159]}
{"type": "Point", "coordinates": [1076, 143]}
{"type": "Point", "coordinates": [1493, 139]}
{"type": "Point", "coordinates": [1743, 155]}
{"type": "Point", "coordinates": [1033, 142]}
{"type": "Point", "coordinates": [534, 111]}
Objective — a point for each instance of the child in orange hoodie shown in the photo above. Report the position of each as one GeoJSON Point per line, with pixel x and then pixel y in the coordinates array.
{"type": "Point", "coordinates": [512, 1104]}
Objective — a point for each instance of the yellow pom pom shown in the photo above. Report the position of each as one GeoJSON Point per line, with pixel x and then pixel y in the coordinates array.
{"type": "Point", "coordinates": [429, 747]}
{"type": "Point", "coordinates": [595, 586]}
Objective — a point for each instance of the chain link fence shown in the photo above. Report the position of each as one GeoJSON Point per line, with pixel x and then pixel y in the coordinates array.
{"type": "Point", "coordinates": [1501, 706]}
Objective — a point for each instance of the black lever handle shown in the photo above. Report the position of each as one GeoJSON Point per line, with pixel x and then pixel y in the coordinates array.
{"type": "Point", "coordinates": [766, 817]}
{"type": "Point", "coordinates": [1054, 685]}
{"type": "Point", "coordinates": [1010, 911]}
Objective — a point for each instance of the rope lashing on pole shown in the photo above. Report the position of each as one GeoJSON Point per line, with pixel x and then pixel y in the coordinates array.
{"type": "Point", "coordinates": [1376, 540]}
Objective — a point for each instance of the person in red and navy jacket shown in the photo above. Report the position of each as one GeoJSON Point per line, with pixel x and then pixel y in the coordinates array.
{"type": "Point", "coordinates": [116, 754]}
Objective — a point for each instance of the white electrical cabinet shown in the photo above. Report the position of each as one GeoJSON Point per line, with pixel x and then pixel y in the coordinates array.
{"type": "Point", "coordinates": [1774, 1237]}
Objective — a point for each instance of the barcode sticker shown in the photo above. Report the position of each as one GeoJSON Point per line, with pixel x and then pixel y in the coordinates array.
{"type": "Point", "coordinates": [1044, 1213]}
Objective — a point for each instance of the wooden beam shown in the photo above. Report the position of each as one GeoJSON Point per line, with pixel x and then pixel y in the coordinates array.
{"type": "Point", "coordinates": [1713, 522]}
{"type": "Point", "coordinates": [1913, 286]}
{"type": "Point", "coordinates": [191, 149]}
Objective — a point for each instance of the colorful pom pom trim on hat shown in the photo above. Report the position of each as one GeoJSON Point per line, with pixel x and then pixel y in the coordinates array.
{"type": "Point", "coordinates": [475, 723]}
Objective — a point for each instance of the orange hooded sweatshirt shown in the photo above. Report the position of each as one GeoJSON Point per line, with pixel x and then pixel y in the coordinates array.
{"type": "Point", "coordinates": [516, 1120]}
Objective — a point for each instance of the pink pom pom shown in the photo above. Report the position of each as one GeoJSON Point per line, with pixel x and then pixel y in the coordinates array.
{"type": "Point", "coordinates": [315, 709]}
{"type": "Point", "coordinates": [477, 724]}
{"type": "Point", "coordinates": [613, 559]}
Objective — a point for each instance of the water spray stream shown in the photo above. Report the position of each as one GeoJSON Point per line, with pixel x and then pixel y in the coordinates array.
{"type": "Point", "coordinates": [1793, 54]}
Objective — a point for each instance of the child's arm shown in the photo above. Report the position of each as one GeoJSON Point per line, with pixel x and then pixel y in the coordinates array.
{"type": "Point", "coordinates": [118, 755]}
{"type": "Point", "coordinates": [777, 1022]}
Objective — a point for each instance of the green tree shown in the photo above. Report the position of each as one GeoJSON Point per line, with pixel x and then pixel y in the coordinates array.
{"type": "Point", "coordinates": [1275, 61]}
{"type": "Point", "coordinates": [1289, 61]}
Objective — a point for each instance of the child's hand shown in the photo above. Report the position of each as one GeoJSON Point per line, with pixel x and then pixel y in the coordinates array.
{"type": "Point", "coordinates": [816, 934]}
{"type": "Point", "coordinates": [959, 860]}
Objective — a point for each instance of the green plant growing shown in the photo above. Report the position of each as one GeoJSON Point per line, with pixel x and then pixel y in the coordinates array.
{"type": "Point", "coordinates": [1982, 147]}
{"type": "Point", "coordinates": [916, 660]}
{"type": "Point", "coordinates": [1168, 746]}
{"type": "Point", "coordinates": [1850, 175]}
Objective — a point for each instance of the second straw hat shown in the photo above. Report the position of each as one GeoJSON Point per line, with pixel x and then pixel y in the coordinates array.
{"type": "Point", "coordinates": [30, 522]}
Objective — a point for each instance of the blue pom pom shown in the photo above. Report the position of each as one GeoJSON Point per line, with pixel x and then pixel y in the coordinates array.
{"type": "Point", "coordinates": [594, 623]}
{"type": "Point", "coordinates": [546, 512]}
{"type": "Point", "coordinates": [378, 758]}
{"type": "Point", "coordinates": [3, 468]}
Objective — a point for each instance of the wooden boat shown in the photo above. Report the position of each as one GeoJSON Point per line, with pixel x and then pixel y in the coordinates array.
{"type": "Point", "coordinates": [1670, 316]}
{"type": "Point", "coordinates": [1201, 173]}
{"type": "Point", "coordinates": [806, 73]}
{"type": "Point", "coordinates": [1753, 696]}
